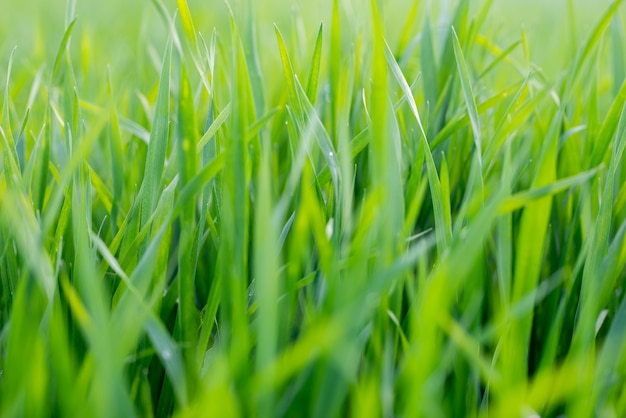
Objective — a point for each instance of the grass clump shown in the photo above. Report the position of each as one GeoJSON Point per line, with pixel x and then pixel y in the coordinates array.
{"type": "Point", "coordinates": [383, 215]}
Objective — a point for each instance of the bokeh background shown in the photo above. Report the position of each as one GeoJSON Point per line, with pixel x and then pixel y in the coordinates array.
{"type": "Point", "coordinates": [113, 29]}
{"type": "Point", "coordinates": [127, 37]}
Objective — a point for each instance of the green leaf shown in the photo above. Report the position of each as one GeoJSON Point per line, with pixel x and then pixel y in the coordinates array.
{"type": "Point", "coordinates": [62, 50]}
{"type": "Point", "coordinates": [314, 72]}
{"type": "Point", "coordinates": [116, 163]}
{"type": "Point", "coordinates": [157, 147]}
{"type": "Point", "coordinates": [187, 22]}
{"type": "Point", "coordinates": [444, 233]}
{"type": "Point", "coordinates": [468, 94]}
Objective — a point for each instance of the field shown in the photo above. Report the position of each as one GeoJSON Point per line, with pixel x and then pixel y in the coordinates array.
{"type": "Point", "coordinates": [295, 208]}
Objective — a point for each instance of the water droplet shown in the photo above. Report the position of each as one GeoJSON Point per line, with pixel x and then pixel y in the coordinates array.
{"type": "Point", "coordinates": [167, 354]}
{"type": "Point", "coordinates": [330, 154]}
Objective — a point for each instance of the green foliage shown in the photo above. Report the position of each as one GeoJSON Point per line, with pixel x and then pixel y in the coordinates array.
{"type": "Point", "coordinates": [397, 211]}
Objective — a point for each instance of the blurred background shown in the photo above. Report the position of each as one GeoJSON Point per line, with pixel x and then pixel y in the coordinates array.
{"type": "Point", "coordinates": [122, 21]}
{"type": "Point", "coordinates": [121, 33]}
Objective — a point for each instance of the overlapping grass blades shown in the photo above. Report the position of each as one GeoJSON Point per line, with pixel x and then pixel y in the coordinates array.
{"type": "Point", "coordinates": [345, 218]}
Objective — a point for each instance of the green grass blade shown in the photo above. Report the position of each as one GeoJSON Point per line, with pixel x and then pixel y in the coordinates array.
{"type": "Point", "coordinates": [314, 71]}
{"type": "Point", "coordinates": [468, 94]}
{"type": "Point", "coordinates": [157, 147]}
{"type": "Point", "coordinates": [187, 22]}
{"type": "Point", "coordinates": [188, 316]}
{"type": "Point", "coordinates": [444, 233]}
{"type": "Point", "coordinates": [117, 168]}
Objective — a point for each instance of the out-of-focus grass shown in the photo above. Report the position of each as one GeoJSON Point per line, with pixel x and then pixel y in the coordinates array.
{"type": "Point", "coordinates": [381, 208]}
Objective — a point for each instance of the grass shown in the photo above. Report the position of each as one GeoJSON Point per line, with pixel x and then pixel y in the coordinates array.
{"type": "Point", "coordinates": [397, 212]}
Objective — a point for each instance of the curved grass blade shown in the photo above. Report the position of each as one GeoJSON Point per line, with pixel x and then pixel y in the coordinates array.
{"type": "Point", "coordinates": [443, 232]}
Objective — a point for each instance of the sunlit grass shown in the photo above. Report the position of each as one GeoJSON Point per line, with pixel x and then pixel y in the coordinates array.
{"type": "Point", "coordinates": [380, 214]}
